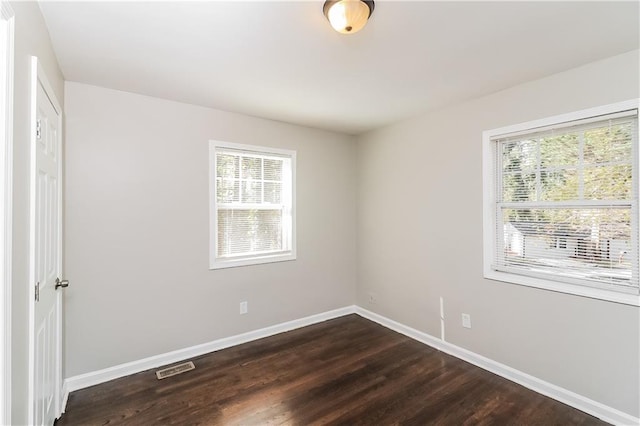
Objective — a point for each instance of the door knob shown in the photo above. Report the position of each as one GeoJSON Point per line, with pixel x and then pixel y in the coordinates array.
{"type": "Point", "coordinates": [63, 283]}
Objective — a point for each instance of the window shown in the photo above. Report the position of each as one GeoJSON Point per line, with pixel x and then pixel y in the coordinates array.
{"type": "Point", "coordinates": [561, 203]}
{"type": "Point", "coordinates": [252, 201]}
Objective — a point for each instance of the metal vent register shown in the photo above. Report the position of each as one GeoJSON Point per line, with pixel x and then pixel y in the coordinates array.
{"type": "Point", "coordinates": [173, 370]}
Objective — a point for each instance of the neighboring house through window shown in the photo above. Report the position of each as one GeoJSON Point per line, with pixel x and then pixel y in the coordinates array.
{"type": "Point", "coordinates": [252, 205]}
{"type": "Point", "coordinates": [561, 203]}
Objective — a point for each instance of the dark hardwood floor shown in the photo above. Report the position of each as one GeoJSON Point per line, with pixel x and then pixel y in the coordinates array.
{"type": "Point", "coordinates": [346, 371]}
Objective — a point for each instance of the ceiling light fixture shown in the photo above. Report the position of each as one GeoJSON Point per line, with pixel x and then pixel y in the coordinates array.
{"type": "Point", "coordinates": [348, 16]}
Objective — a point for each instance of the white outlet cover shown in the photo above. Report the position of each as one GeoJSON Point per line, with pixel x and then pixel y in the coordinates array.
{"type": "Point", "coordinates": [243, 308]}
{"type": "Point", "coordinates": [466, 320]}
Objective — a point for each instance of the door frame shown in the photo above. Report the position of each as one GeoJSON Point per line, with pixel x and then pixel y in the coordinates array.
{"type": "Point", "coordinates": [38, 77]}
{"type": "Point", "coordinates": [7, 25]}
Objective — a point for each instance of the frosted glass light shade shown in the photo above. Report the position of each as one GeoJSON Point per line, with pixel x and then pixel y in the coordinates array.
{"type": "Point", "coordinates": [348, 16]}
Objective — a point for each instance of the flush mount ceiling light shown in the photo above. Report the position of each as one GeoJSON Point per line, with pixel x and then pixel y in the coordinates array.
{"type": "Point", "coordinates": [348, 16]}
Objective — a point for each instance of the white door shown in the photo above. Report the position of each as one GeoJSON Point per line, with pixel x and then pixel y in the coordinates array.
{"type": "Point", "coordinates": [7, 20]}
{"type": "Point", "coordinates": [46, 261]}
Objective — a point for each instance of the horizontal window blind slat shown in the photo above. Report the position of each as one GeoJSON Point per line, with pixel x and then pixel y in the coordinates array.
{"type": "Point", "coordinates": [249, 206]}
{"type": "Point", "coordinates": [567, 204]}
{"type": "Point", "coordinates": [620, 117]}
{"type": "Point", "coordinates": [554, 276]}
{"type": "Point", "coordinates": [253, 154]}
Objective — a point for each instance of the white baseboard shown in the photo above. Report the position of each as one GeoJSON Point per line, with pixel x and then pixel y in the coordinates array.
{"type": "Point", "coordinates": [597, 409]}
{"type": "Point", "coordinates": [100, 376]}
{"type": "Point", "coordinates": [603, 412]}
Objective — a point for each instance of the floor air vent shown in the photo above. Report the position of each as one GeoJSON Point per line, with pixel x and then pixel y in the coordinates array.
{"type": "Point", "coordinates": [173, 370]}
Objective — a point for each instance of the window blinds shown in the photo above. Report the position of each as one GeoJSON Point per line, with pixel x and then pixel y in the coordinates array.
{"type": "Point", "coordinates": [253, 203]}
{"type": "Point", "coordinates": [567, 202]}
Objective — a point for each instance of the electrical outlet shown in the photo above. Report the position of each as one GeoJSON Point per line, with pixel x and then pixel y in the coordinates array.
{"type": "Point", "coordinates": [243, 308]}
{"type": "Point", "coordinates": [466, 320]}
{"type": "Point", "coordinates": [372, 298]}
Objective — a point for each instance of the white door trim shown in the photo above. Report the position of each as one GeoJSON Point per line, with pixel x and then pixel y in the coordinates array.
{"type": "Point", "coordinates": [38, 76]}
{"type": "Point", "coordinates": [6, 205]}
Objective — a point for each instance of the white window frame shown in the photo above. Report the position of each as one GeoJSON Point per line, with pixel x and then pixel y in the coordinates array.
{"type": "Point", "coordinates": [7, 25]}
{"type": "Point", "coordinates": [489, 205]}
{"type": "Point", "coordinates": [289, 253]}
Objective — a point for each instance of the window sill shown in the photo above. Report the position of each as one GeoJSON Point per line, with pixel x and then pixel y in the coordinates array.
{"type": "Point", "coordinates": [576, 290]}
{"type": "Point", "coordinates": [244, 261]}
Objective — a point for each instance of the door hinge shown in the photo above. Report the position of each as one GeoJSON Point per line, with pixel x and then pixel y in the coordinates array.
{"type": "Point", "coordinates": [38, 129]}
{"type": "Point", "coordinates": [38, 291]}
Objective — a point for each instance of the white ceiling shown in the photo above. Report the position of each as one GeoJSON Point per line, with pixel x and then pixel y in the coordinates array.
{"type": "Point", "coordinates": [281, 59]}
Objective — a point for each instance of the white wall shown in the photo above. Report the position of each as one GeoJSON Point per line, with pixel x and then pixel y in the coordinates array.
{"type": "Point", "coordinates": [137, 230]}
{"type": "Point", "coordinates": [31, 38]}
{"type": "Point", "coordinates": [420, 237]}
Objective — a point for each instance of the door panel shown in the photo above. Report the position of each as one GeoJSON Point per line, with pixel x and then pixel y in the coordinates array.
{"type": "Point", "coordinates": [46, 260]}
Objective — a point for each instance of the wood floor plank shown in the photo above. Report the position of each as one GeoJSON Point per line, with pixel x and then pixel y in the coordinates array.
{"type": "Point", "coordinates": [346, 371]}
